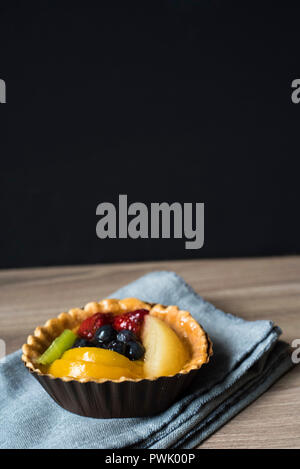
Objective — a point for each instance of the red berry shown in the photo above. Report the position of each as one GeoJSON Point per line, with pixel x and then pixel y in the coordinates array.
{"type": "Point", "coordinates": [89, 326]}
{"type": "Point", "coordinates": [132, 321]}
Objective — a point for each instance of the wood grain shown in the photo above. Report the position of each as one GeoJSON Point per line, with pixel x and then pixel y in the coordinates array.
{"type": "Point", "coordinates": [264, 288]}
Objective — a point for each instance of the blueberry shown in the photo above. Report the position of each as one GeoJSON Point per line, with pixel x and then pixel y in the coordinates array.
{"type": "Point", "coordinates": [117, 346]}
{"type": "Point", "coordinates": [126, 336]}
{"type": "Point", "coordinates": [104, 335]}
{"type": "Point", "coordinates": [82, 343]}
{"type": "Point", "coordinates": [135, 350]}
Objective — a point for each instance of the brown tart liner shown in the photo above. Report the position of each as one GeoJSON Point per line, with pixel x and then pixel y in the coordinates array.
{"type": "Point", "coordinates": [125, 397]}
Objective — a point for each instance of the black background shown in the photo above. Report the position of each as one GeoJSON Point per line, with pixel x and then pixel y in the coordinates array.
{"type": "Point", "coordinates": [185, 101]}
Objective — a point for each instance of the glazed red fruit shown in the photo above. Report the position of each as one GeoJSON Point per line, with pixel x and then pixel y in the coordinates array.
{"type": "Point", "coordinates": [89, 326]}
{"type": "Point", "coordinates": [131, 321]}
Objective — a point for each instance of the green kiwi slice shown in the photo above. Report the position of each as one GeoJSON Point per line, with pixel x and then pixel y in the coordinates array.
{"type": "Point", "coordinates": [58, 347]}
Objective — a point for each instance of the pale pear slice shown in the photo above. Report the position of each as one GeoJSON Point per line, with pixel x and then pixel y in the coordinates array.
{"type": "Point", "coordinates": [165, 353]}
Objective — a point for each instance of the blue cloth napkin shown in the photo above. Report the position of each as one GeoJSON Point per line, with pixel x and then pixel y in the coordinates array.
{"type": "Point", "coordinates": [247, 359]}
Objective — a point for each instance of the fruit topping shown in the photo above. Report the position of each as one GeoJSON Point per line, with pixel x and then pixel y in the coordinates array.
{"type": "Point", "coordinates": [84, 370]}
{"type": "Point", "coordinates": [81, 343]}
{"type": "Point", "coordinates": [131, 321]}
{"type": "Point", "coordinates": [117, 333]}
{"type": "Point", "coordinates": [95, 363]}
{"type": "Point", "coordinates": [135, 350]}
{"type": "Point", "coordinates": [104, 335]}
{"type": "Point", "coordinates": [165, 353]}
{"type": "Point", "coordinates": [89, 326]}
{"type": "Point", "coordinates": [125, 342]}
{"type": "Point", "coordinates": [126, 336]}
{"type": "Point", "coordinates": [58, 347]}
{"type": "Point", "coordinates": [117, 346]}
{"type": "Point", "coordinates": [98, 355]}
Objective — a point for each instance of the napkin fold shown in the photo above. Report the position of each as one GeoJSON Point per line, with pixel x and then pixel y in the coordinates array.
{"type": "Point", "coordinates": [248, 358]}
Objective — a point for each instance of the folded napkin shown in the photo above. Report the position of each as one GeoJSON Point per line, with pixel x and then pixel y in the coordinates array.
{"type": "Point", "coordinates": [247, 359]}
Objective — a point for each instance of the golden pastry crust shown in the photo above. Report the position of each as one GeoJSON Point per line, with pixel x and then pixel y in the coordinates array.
{"type": "Point", "coordinates": [192, 334]}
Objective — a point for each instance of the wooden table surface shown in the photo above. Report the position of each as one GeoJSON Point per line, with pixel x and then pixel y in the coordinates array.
{"type": "Point", "coordinates": [264, 288]}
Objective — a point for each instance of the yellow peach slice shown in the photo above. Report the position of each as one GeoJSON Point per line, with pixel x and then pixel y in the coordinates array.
{"type": "Point", "coordinates": [100, 355]}
{"type": "Point", "coordinates": [95, 363]}
{"type": "Point", "coordinates": [87, 370]}
{"type": "Point", "coordinates": [165, 353]}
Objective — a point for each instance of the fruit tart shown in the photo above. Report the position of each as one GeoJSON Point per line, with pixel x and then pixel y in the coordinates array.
{"type": "Point", "coordinates": [117, 358]}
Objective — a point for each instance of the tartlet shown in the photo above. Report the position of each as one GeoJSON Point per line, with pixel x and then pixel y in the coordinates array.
{"type": "Point", "coordinates": [123, 397]}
